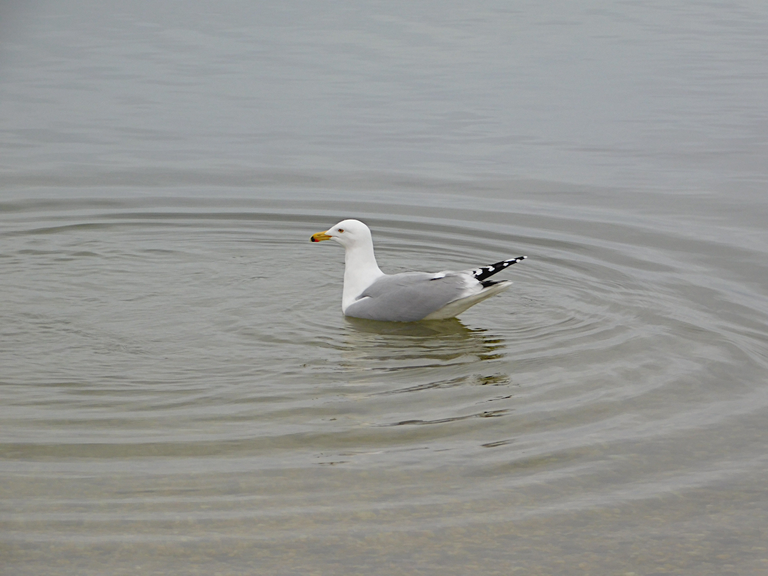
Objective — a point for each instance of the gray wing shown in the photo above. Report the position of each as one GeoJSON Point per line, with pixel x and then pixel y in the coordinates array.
{"type": "Point", "coordinates": [407, 297]}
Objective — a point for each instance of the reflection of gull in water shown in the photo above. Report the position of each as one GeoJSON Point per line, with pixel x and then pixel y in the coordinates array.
{"type": "Point", "coordinates": [409, 296]}
{"type": "Point", "coordinates": [388, 346]}
{"type": "Point", "coordinates": [453, 328]}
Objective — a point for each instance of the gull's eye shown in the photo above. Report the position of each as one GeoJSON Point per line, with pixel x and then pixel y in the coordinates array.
{"type": "Point", "coordinates": [341, 230]}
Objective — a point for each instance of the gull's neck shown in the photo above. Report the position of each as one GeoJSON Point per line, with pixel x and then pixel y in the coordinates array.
{"type": "Point", "coordinates": [360, 271]}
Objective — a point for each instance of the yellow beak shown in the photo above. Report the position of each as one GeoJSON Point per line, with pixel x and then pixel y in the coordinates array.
{"type": "Point", "coordinates": [319, 237]}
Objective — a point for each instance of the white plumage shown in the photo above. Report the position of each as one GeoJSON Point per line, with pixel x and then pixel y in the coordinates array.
{"type": "Point", "coordinates": [409, 296]}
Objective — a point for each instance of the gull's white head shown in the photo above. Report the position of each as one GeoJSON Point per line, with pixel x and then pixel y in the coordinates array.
{"type": "Point", "coordinates": [348, 233]}
{"type": "Point", "coordinates": [360, 268]}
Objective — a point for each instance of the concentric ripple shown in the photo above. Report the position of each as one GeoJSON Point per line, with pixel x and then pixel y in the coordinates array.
{"type": "Point", "coordinates": [194, 352]}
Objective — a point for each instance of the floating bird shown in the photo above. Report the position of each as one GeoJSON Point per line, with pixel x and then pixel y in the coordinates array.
{"type": "Point", "coordinates": [408, 296]}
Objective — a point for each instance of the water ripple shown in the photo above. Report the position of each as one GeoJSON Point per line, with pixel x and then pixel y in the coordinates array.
{"type": "Point", "coordinates": [170, 346]}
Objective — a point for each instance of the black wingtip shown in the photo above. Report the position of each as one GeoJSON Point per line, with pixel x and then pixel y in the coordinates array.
{"type": "Point", "coordinates": [484, 272]}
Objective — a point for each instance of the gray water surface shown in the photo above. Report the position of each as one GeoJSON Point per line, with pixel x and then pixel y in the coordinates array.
{"type": "Point", "coordinates": [180, 391]}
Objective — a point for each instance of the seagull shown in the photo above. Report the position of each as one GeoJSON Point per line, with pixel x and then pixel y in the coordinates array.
{"type": "Point", "coordinates": [409, 296]}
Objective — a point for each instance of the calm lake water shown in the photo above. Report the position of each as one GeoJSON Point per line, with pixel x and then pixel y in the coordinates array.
{"type": "Point", "coordinates": [180, 391]}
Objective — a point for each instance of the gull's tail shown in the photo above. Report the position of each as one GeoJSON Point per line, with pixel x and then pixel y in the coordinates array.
{"type": "Point", "coordinates": [484, 272]}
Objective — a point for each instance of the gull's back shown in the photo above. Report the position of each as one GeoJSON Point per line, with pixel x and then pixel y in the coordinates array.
{"type": "Point", "coordinates": [408, 297]}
